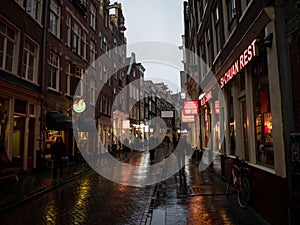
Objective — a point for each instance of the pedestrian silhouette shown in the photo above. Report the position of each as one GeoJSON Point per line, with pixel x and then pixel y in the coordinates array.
{"type": "Point", "coordinates": [59, 153]}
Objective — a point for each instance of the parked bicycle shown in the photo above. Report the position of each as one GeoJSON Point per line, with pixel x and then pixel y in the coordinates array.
{"type": "Point", "coordinates": [239, 182]}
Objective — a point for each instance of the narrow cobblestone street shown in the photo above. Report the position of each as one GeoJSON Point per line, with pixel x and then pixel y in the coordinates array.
{"type": "Point", "coordinates": [190, 198]}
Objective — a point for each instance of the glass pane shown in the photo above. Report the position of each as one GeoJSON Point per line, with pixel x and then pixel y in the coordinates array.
{"type": "Point", "coordinates": [10, 49]}
{"type": "Point", "coordinates": [2, 28]}
{"type": "Point", "coordinates": [25, 59]}
{"type": "Point", "coordinates": [30, 73]}
{"type": "Point", "coordinates": [9, 62]}
{"type": "Point", "coordinates": [10, 33]}
{"type": "Point", "coordinates": [31, 61]}
{"type": "Point", "coordinates": [24, 71]}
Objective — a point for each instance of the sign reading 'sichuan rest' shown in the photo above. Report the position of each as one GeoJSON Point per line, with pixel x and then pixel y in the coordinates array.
{"type": "Point", "coordinates": [240, 63]}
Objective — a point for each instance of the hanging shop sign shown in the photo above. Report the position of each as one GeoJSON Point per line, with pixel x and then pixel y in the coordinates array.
{"type": "Point", "coordinates": [190, 107]}
{"type": "Point", "coordinates": [79, 106]}
{"type": "Point", "coordinates": [205, 98]}
{"type": "Point", "coordinates": [240, 63]}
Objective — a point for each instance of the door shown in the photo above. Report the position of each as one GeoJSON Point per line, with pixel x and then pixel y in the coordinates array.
{"type": "Point", "coordinates": [18, 140]}
{"type": "Point", "coordinates": [30, 157]}
{"type": "Point", "coordinates": [244, 120]}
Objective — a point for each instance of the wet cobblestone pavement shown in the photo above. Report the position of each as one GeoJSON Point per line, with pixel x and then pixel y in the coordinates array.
{"type": "Point", "coordinates": [91, 199]}
{"type": "Point", "coordinates": [189, 198]}
{"type": "Point", "coordinates": [197, 198]}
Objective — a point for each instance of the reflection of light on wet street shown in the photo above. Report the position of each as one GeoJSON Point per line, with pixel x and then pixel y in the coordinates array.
{"type": "Point", "coordinates": [50, 211]}
{"type": "Point", "coordinates": [82, 193]}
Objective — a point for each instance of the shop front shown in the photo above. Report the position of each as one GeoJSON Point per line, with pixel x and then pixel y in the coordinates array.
{"type": "Point", "coordinates": [19, 129]}
{"type": "Point", "coordinates": [59, 124]}
{"type": "Point", "coordinates": [251, 87]}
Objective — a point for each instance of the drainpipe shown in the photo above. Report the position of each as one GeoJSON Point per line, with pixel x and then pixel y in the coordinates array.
{"type": "Point", "coordinates": [43, 76]}
{"type": "Point", "coordinates": [286, 93]}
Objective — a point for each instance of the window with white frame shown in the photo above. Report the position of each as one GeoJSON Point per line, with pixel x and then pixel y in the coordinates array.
{"type": "Point", "coordinates": [30, 61]}
{"type": "Point", "coordinates": [92, 53]}
{"type": "Point", "coordinates": [54, 18]}
{"type": "Point", "coordinates": [33, 7]}
{"type": "Point", "coordinates": [104, 46]}
{"type": "Point", "coordinates": [68, 78]}
{"type": "Point", "coordinates": [100, 71]}
{"type": "Point", "coordinates": [100, 38]}
{"type": "Point", "coordinates": [104, 73]}
{"type": "Point", "coordinates": [92, 92]}
{"type": "Point", "coordinates": [76, 38]}
{"type": "Point", "coordinates": [217, 29]}
{"type": "Point", "coordinates": [208, 47]}
{"type": "Point", "coordinates": [79, 71]}
{"type": "Point", "coordinates": [84, 42]}
{"type": "Point", "coordinates": [69, 21]}
{"type": "Point", "coordinates": [93, 16]}
{"type": "Point", "coordinates": [53, 79]}
{"type": "Point", "coordinates": [231, 14]}
{"type": "Point", "coordinates": [8, 38]}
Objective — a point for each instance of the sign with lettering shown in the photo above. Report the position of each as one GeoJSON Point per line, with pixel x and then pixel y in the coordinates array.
{"type": "Point", "coordinates": [187, 118]}
{"type": "Point", "coordinates": [205, 99]}
{"type": "Point", "coordinates": [240, 63]}
{"type": "Point", "coordinates": [190, 107]}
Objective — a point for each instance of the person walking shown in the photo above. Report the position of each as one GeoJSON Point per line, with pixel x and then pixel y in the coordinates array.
{"type": "Point", "coordinates": [59, 152]}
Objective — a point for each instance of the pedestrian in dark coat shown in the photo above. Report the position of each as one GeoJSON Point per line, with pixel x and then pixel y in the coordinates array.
{"type": "Point", "coordinates": [59, 152]}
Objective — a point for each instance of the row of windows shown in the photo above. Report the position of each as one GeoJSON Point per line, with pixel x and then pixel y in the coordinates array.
{"type": "Point", "coordinates": [9, 36]}
{"type": "Point", "coordinates": [209, 48]}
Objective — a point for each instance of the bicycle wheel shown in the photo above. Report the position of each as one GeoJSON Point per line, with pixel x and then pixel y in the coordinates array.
{"type": "Point", "coordinates": [229, 186]}
{"type": "Point", "coordinates": [243, 193]}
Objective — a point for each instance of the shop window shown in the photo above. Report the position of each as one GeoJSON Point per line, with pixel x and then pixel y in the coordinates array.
{"type": "Point", "coordinates": [263, 121]}
{"type": "Point", "coordinates": [232, 141]}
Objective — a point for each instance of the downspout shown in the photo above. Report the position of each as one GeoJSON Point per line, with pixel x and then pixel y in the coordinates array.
{"type": "Point", "coordinates": [286, 93]}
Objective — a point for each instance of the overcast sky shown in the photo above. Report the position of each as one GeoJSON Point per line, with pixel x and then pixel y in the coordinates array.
{"type": "Point", "coordinates": [155, 20]}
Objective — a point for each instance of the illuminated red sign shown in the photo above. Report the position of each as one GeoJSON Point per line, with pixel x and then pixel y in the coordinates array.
{"type": "Point", "coordinates": [217, 107]}
{"type": "Point", "coordinates": [240, 63]}
{"type": "Point", "coordinates": [205, 99]}
{"type": "Point", "coordinates": [190, 107]}
{"type": "Point", "coordinates": [187, 118]}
